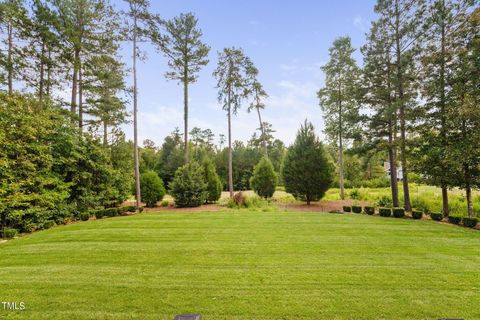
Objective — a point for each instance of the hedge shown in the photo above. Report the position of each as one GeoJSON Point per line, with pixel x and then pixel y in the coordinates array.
{"type": "Point", "coordinates": [385, 212]}
{"type": "Point", "coordinates": [454, 219]}
{"type": "Point", "coordinates": [347, 209]}
{"type": "Point", "coordinates": [417, 215]}
{"type": "Point", "coordinates": [356, 209]}
{"type": "Point", "coordinates": [437, 216]}
{"type": "Point", "coordinates": [470, 222]}
{"type": "Point", "coordinates": [398, 212]}
{"type": "Point", "coordinates": [369, 210]}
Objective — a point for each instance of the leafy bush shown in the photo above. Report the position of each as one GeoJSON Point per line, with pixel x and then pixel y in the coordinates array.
{"type": "Point", "coordinates": [437, 216]}
{"type": "Point", "coordinates": [384, 201]}
{"type": "Point", "coordinates": [214, 184]}
{"type": "Point", "coordinates": [164, 203]}
{"type": "Point", "coordinates": [385, 212]}
{"type": "Point", "coordinates": [9, 233]}
{"type": "Point", "coordinates": [470, 222]}
{"type": "Point", "coordinates": [307, 169]}
{"type": "Point", "coordinates": [454, 219]}
{"type": "Point", "coordinates": [152, 189]}
{"type": "Point", "coordinates": [122, 210]}
{"type": "Point", "coordinates": [131, 208]}
{"type": "Point", "coordinates": [370, 210]}
{"type": "Point", "coordinates": [398, 212]}
{"type": "Point", "coordinates": [347, 209]}
{"type": "Point", "coordinates": [417, 215]}
{"type": "Point", "coordinates": [111, 212]}
{"type": "Point", "coordinates": [355, 194]}
{"type": "Point", "coordinates": [84, 216]}
{"type": "Point", "coordinates": [356, 209]}
{"type": "Point", "coordinates": [140, 209]}
{"type": "Point", "coordinates": [188, 187]}
{"type": "Point", "coordinates": [48, 224]}
{"type": "Point", "coordinates": [264, 179]}
{"type": "Point", "coordinates": [99, 214]}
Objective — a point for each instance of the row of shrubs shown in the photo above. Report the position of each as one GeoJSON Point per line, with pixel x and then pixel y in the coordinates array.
{"type": "Point", "coordinates": [9, 233]}
{"type": "Point", "coordinates": [469, 222]}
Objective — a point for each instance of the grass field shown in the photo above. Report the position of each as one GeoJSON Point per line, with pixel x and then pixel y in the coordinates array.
{"type": "Point", "coordinates": [244, 265]}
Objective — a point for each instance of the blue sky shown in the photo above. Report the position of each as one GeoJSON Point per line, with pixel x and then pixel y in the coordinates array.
{"type": "Point", "coordinates": [287, 40]}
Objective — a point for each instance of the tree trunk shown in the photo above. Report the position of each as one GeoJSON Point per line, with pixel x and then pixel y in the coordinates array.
{"type": "Point", "coordinates": [393, 164]}
{"type": "Point", "coordinates": [468, 188]}
{"type": "Point", "coordinates": [73, 105]}
{"type": "Point", "coordinates": [49, 72]}
{"type": "Point", "coordinates": [10, 58]}
{"type": "Point", "coordinates": [403, 156]}
{"type": "Point", "coordinates": [135, 115]}
{"type": "Point", "coordinates": [105, 134]}
{"type": "Point", "coordinates": [42, 73]}
{"type": "Point", "coordinates": [340, 152]}
{"type": "Point", "coordinates": [185, 114]}
{"type": "Point", "coordinates": [230, 156]}
{"type": "Point", "coordinates": [264, 142]}
{"type": "Point", "coordinates": [80, 95]}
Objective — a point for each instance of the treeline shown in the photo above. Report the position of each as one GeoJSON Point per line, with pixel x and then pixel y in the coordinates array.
{"type": "Point", "coordinates": [416, 98]}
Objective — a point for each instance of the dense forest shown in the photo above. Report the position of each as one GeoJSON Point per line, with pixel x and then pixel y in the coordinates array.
{"type": "Point", "coordinates": [65, 93]}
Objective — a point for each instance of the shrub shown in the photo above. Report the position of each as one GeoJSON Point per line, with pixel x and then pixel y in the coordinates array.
{"type": "Point", "coordinates": [152, 189]}
{"type": "Point", "coordinates": [111, 212]}
{"type": "Point", "coordinates": [131, 208]}
{"type": "Point", "coordinates": [355, 195]}
{"type": "Point", "coordinates": [356, 209]}
{"type": "Point", "coordinates": [470, 222]}
{"type": "Point", "coordinates": [140, 209]}
{"type": "Point", "coordinates": [347, 209]}
{"type": "Point", "coordinates": [384, 201]}
{"type": "Point", "coordinates": [122, 210]}
{"type": "Point", "coordinates": [454, 219]}
{"type": "Point", "coordinates": [99, 214]}
{"type": "Point", "coordinates": [369, 210]}
{"type": "Point", "coordinates": [9, 233]}
{"type": "Point", "coordinates": [385, 212]}
{"type": "Point", "coordinates": [264, 179]}
{"type": "Point", "coordinates": [398, 212]}
{"type": "Point", "coordinates": [417, 215]}
{"type": "Point", "coordinates": [84, 216]}
{"type": "Point", "coordinates": [214, 184]}
{"type": "Point", "coordinates": [188, 187]}
{"type": "Point", "coordinates": [437, 216]}
{"type": "Point", "coordinates": [164, 203]}
{"type": "Point", "coordinates": [48, 224]}
{"type": "Point", "coordinates": [307, 169]}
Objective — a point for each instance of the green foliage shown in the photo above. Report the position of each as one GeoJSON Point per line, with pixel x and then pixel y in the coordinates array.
{"type": "Point", "coordinates": [188, 187]}
{"type": "Point", "coordinates": [164, 203]}
{"type": "Point", "coordinates": [454, 219]}
{"type": "Point", "coordinates": [307, 170]}
{"type": "Point", "coordinates": [264, 179]}
{"type": "Point", "coordinates": [347, 209]}
{"type": "Point", "coordinates": [369, 210]}
{"type": "Point", "coordinates": [385, 212]}
{"type": "Point", "coordinates": [214, 185]}
{"type": "Point", "coordinates": [437, 216]}
{"type": "Point", "coordinates": [152, 188]}
{"type": "Point", "coordinates": [384, 201]}
{"type": "Point", "coordinates": [354, 194]}
{"type": "Point", "coordinates": [417, 215]}
{"type": "Point", "coordinates": [356, 209]}
{"type": "Point", "coordinates": [470, 222]}
{"type": "Point", "coordinates": [398, 212]}
{"type": "Point", "coordinates": [9, 233]}
{"type": "Point", "coordinates": [84, 216]}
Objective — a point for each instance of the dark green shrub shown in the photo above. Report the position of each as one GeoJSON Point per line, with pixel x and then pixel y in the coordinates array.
{"type": "Point", "coordinates": [347, 209]}
{"type": "Point", "coordinates": [214, 184]}
{"type": "Point", "coordinates": [264, 179]}
{"type": "Point", "coordinates": [398, 212]}
{"type": "Point", "coordinates": [140, 209]}
{"type": "Point", "coordinates": [84, 216]}
{"type": "Point", "coordinates": [99, 214]}
{"type": "Point", "coordinates": [417, 215]}
{"type": "Point", "coordinates": [131, 208]}
{"type": "Point", "coordinates": [437, 216]}
{"type": "Point", "coordinates": [355, 195]}
{"type": "Point", "coordinates": [384, 201]}
{"type": "Point", "coordinates": [454, 219]}
{"type": "Point", "coordinates": [122, 210]}
{"type": "Point", "coordinates": [307, 170]}
{"type": "Point", "coordinates": [111, 212]}
{"type": "Point", "coordinates": [369, 210]}
{"type": "Point", "coordinates": [9, 233]}
{"type": "Point", "coordinates": [48, 224]}
{"type": "Point", "coordinates": [385, 212]}
{"type": "Point", "coordinates": [152, 189]}
{"type": "Point", "coordinates": [356, 209]}
{"type": "Point", "coordinates": [188, 187]}
{"type": "Point", "coordinates": [470, 222]}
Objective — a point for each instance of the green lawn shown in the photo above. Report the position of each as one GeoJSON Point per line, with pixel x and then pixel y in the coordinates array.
{"type": "Point", "coordinates": [244, 265]}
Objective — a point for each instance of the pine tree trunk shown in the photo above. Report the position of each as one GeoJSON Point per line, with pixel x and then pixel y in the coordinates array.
{"type": "Point", "coordinates": [393, 164]}
{"type": "Point", "coordinates": [185, 113]}
{"type": "Point", "coordinates": [264, 142]}
{"type": "Point", "coordinates": [80, 95]}
{"type": "Point", "coordinates": [105, 133]}
{"type": "Point", "coordinates": [49, 72]}
{"type": "Point", "coordinates": [443, 117]}
{"type": "Point", "coordinates": [135, 116]}
{"type": "Point", "coordinates": [10, 58]}
{"type": "Point", "coordinates": [42, 74]}
{"type": "Point", "coordinates": [230, 156]}
{"type": "Point", "coordinates": [340, 153]}
{"type": "Point", "coordinates": [73, 105]}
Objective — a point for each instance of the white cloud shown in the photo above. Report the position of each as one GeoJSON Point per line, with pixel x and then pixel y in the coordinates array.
{"type": "Point", "coordinates": [360, 23]}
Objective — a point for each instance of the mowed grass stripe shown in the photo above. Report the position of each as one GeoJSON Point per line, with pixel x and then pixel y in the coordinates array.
{"type": "Point", "coordinates": [244, 265]}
